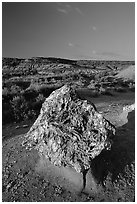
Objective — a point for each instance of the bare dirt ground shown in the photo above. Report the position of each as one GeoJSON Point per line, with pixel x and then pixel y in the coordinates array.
{"type": "Point", "coordinates": [27, 177]}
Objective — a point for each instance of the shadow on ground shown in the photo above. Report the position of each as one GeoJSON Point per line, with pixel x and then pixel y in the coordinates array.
{"type": "Point", "coordinates": [121, 155]}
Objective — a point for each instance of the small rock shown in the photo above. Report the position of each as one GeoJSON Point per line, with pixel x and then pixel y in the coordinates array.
{"type": "Point", "coordinates": [17, 127]}
{"type": "Point", "coordinates": [58, 190]}
{"type": "Point", "coordinates": [25, 192]}
{"type": "Point", "coordinates": [89, 198]}
{"type": "Point", "coordinates": [46, 184]}
{"type": "Point", "coordinates": [119, 199]}
{"type": "Point", "coordinates": [25, 126]}
{"type": "Point", "coordinates": [10, 185]}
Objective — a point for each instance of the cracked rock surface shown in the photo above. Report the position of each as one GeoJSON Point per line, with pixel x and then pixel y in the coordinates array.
{"type": "Point", "coordinates": [70, 131]}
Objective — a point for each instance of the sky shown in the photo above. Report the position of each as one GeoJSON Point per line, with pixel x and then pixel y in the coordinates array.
{"type": "Point", "coordinates": [80, 30]}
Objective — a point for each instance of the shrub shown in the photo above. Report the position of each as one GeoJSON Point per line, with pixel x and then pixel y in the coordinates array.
{"type": "Point", "coordinates": [19, 107]}
{"type": "Point", "coordinates": [34, 87]}
{"type": "Point", "coordinates": [30, 95]}
{"type": "Point", "coordinates": [108, 93]}
{"type": "Point", "coordinates": [15, 89]}
{"type": "Point", "coordinates": [120, 89]}
{"type": "Point", "coordinates": [94, 93]}
{"type": "Point", "coordinates": [105, 91]}
{"type": "Point", "coordinates": [7, 113]}
{"type": "Point", "coordinates": [102, 90]}
{"type": "Point", "coordinates": [47, 90]}
{"type": "Point", "coordinates": [40, 98]}
{"type": "Point", "coordinates": [5, 91]}
{"type": "Point", "coordinates": [87, 92]}
{"type": "Point", "coordinates": [132, 89]}
{"type": "Point", "coordinates": [23, 84]}
{"type": "Point", "coordinates": [131, 85]}
{"type": "Point", "coordinates": [32, 114]}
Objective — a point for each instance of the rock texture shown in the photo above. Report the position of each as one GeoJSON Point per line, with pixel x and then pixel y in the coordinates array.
{"type": "Point", "coordinates": [129, 108]}
{"type": "Point", "coordinates": [69, 131]}
{"type": "Point", "coordinates": [123, 117]}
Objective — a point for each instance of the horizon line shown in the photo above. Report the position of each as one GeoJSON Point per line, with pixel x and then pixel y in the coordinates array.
{"type": "Point", "coordinates": [67, 58]}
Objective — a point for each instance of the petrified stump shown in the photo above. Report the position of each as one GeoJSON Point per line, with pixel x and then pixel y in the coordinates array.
{"type": "Point", "coordinates": [69, 131]}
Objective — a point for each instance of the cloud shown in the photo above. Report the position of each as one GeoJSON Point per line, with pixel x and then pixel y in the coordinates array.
{"type": "Point", "coordinates": [94, 28]}
{"type": "Point", "coordinates": [71, 44]}
{"type": "Point", "coordinates": [94, 52]}
{"type": "Point", "coordinates": [58, 3]}
{"type": "Point", "coordinates": [62, 10]}
{"type": "Point", "coordinates": [67, 8]}
{"type": "Point", "coordinates": [79, 11]}
{"type": "Point", "coordinates": [76, 45]}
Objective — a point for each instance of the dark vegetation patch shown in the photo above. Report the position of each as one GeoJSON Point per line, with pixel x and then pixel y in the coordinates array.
{"type": "Point", "coordinates": [19, 104]}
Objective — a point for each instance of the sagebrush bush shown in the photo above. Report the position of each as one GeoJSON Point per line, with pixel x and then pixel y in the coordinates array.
{"type": "Point", "coordinates": [19, 107]}
{"type": "Point", "coordinates": [121, 89]}
{"type": "Point", "coordinates": [40, 98]}
{"type": "Point", "coordinates": [21, 104]}
{"type": "Point", "coordinates": [5, 91]}
{"type": "Point", "coordinates": [108, 93]}
{"type": "Point", "coordinates": [132, 89]}
{"type": "Point", "coordinates": [30, 95]}
{"type": "Point", "coordinates": [15, 89]}
{"type": "Point", "coordinates": [7, 113]}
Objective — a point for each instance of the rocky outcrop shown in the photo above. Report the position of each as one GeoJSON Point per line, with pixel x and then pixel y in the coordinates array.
{"type": "Point", "coordinates": [123, 117]}
{"type": "Point", "coordinates": [70, 131]}
{"type": "Point", "coordinates": [129, 108]}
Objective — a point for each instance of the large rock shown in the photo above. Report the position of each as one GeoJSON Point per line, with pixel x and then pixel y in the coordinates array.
{"type": "Point", "coordinates": [123, 117]}
{"type": "Point", "coordinates": [69, 131]}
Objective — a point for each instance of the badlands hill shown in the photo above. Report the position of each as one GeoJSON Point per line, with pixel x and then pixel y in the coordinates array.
{"type": "Point", "coordinates": [128, 73]}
